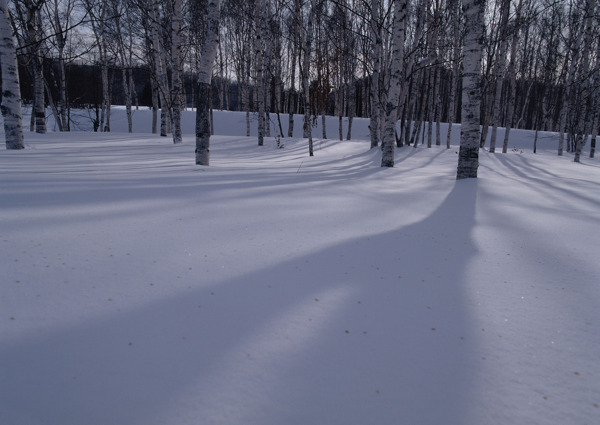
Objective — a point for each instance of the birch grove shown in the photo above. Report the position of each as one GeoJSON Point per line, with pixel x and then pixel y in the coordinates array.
{"type": "Point", "coordinates": [540, 66]}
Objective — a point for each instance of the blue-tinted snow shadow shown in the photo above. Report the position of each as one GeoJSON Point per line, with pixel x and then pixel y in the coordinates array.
{"type": "Point", "coordinates": [372, 330]}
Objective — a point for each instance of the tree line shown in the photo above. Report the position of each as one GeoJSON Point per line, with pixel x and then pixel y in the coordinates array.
{"type": "Point", "coordinates": [407, 65]}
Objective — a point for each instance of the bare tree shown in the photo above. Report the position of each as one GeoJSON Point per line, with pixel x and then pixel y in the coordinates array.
{"type": "Point", "coordinates": [176, 69]}
{"type": "Point", "coordinates": [307, 46]}
{"type": "Point", "coordinates": [11, 96]}
{"type": "Point", "coordinates": [391, 106]}
{"type": "Point", "coordinates": [468, 156]}
{"type": "Point", "coordinates": [207, 58]}
{"type": "Point", "coordinates": [98, 12]}
{"type": "Point", "coordinates": [259, 63]}
{"type": "Point", "coordinates": [376, 60]}
{"type": "Point", "coordinates": [512, 75]}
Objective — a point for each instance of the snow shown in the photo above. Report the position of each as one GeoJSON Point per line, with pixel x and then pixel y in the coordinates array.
{"type": "Point", "coordinates": [276, 288]}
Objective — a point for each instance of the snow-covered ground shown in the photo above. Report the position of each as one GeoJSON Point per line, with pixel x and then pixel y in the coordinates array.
{"type": "Point", "coordinates": [273, 288]}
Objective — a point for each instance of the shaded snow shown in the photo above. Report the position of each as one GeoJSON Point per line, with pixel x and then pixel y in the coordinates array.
{"type": "Point", "coordinates": [274, 288]}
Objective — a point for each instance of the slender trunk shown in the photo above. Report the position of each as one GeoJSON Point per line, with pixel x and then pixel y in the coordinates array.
{"type": "Point", "coordinates": [585, 114]}
{"type": "Point", "coordinates": [105, 96]}
{"type": "Point", "coordinates": [11, 94]}
{"type": "Point", "coordinates": [33, 34]}
{"type": "Point", "coordinates": [468, 156]}
{"type": "Point", "coordinates": [351, 105]}
{"type": "Point", "coordinates": [246, 96]}
{"type": "Point", "coordinates": [292, 109]}
{"type": "Point", "coordinates": [499, 73]}
{"type": "Point", "coordinates": [127, 93]}
{"type": "Point", "coordinates": [207, 58]}
{"type": "Point", "coordinates": [374, 93]}
{"type": "Point", "coordinates": [260, 88]}
{"type": "Point", "coordinates": [391, 107]}
{"type": "Point", "coordinates": [176, 71]}
{"type": "Point", "coordinates": [513, 78]}
{"type": "Point", "coordinates": [305, 78]}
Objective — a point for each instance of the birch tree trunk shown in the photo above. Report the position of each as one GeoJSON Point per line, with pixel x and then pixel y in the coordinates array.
{"type": "Point", "coordinates": [294, 41]}
{"type": "Point", "coordinates": [468, 156]}
{"type": "Point", "coordinates": [33, 35]}
{"type": "Point", "coordinates": [177, 69]}
{"type": "Point", "coordinates": [391, 106]}
{"type": "Point", "coordinates": [499, 72]}
{"type": "Point", "coordinates": [207, 58]}
{"type": "Point", "coordinates": [11, 93]}
{"type": "Point", "coordinates": [513, 78]}
{"type": "Point", "coordinates": [306, 79]}
{"type": "Point", "coordinates": [161, 75]}
{"type": "Point", "coordinates": [584, 115]}
{"type": "Point", "coordinates": [259, 63]}
{"type": "Point", "coordinates": [61, 29]}
{"type": "Point", "coordinates": [376, 52]}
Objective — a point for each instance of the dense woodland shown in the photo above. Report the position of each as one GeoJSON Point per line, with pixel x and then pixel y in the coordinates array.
{"type": "Point", "coordinates": [535, 65]}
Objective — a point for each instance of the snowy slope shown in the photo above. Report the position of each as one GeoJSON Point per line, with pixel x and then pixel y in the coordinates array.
{"type": "Point", "coordinates": [274, 288]}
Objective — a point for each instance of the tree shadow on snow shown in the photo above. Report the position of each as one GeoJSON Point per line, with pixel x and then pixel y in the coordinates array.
{"type": "Point", "coordinates": [372, 330]}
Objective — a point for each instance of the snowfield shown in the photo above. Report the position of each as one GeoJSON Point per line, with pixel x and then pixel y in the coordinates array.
{"type": "Point", "coordinates": [274, 288]}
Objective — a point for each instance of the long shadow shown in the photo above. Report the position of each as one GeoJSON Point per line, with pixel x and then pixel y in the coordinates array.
{"type": "Point", "coordinates": [523, 174]}
{"type": "Point", "coordinates": [371, 330]}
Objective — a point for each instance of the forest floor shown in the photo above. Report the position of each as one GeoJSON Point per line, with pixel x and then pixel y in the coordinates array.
{"type": "Point", "coordinates": [276, 288]}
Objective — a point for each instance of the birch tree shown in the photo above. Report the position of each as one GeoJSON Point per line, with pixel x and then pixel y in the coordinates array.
{"type": "Point", "coordinates": [583, 118]}
{"type": "Point", "coordinates": [32, 38]}
{"type": "Point", "coordinates": [498, 72]}
{"type": "Point", "coordinates": [294, 42]}
{"type": "Point", "coordinates": [11, 94]}
{"type": "Point", "coordinates": [391, 106]}
{"type": "Point", "coordinates": [468, 156]}
{"type": "Point", "coordinates": [98, 12]}
{"type": "Point", "coordinates": [376, 60]}
{"type": "Point", "coordinates": [512, 74]}
{"type": "Point", "coordinates": [176, 70]}
{"type": "Point", "coordinates": [59, 15]}
{"type": "Point", "coordinates": [207, 58]}
{"type": "Point", "coordinates": [259, 63]}
{"type": "Point", "coordinates": [307, 46]}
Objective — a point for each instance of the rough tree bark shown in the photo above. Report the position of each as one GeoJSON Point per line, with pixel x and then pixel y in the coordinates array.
{"type": "Point", "coordinates": [499, 72]}
{"type": "Point", "coordinates": [468, 156]}
{"type": "Point", "coordinates": [305, 77]}
{"type": "Point", "coordinates": [11, 94]}
{"type": "Point", "coordinates": [177, 69]}
{"type": "Point", "coordinates": [207, 58]}
{"type": "Point", "coordinates": [259, 63]}
{"type": "Point", "coordinates": [376, 52]}
{"type": "Point", "coordinates": [33, 35]}
{"type": "Point", "coordinates": [391, 106]}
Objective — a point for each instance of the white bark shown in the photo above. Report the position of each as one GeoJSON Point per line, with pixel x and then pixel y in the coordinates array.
{"type": "Point", "coordinates": [176, 71]}
{"type": "Point", "coordinates": [391, 107]}
{"type": "Point", "coordinates": [468, 156]}
{"type": "Point", "coordinates": [305, 77]}
{"type": "Point", "coordinates": [584, 115]}
{"type": "Point", "coordinates": [294, 41]}
{"type": "Point", "coordinates": [259, 63]}
{"type": "Point", "coordinates": [376, 52]}
{"type": "Point", "coordinates": [11, 95]}
{"type": "Point", "coordinates": [33, 38]}
{"type": "Point", "coordinates": [205, 65]}
{"type": "Point", "coordinates": [161, 75]}
{"type": "Point", "coordinates": [499, 72]}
